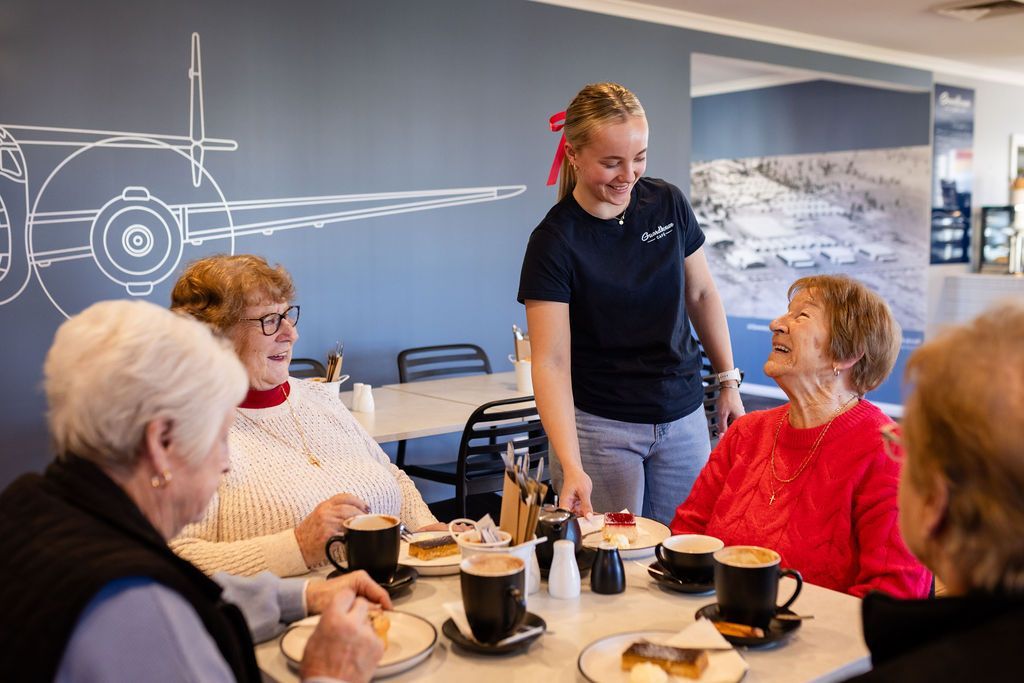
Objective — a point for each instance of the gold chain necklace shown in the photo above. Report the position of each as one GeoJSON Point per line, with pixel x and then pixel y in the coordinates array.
{"type": "Point", "coordinates": [807, 460]}
{"type": "Point", "coordinates": [621, 218]}
{"type": "Point", "coordinates": [313, 460]}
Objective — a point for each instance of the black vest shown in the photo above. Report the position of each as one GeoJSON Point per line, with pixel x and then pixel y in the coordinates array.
{"type": "Point", "coordinates": [63, 537]}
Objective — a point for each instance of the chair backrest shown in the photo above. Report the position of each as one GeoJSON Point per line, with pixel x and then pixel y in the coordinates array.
{"type": "Point", "coordinates": [711, 391]}
{"type": "Point", "coordinates": [492, 426]}
{"type": "Point", "coordinates": [431, 362]}
{"type": "Point", "coordinates": [306, 368]}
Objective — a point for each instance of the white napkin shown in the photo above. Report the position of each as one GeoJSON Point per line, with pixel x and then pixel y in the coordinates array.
{"type": "Point", "coordinates": [457, 612]}
{"type": "Point", "coordinates": [591, 523]}
{"type": "Point", "coordinates": [724, 664]}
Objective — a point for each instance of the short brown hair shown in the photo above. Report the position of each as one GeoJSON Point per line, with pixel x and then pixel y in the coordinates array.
{"type": "Point", "coordinates": [217, 289]}
{"type": "Point", "coordinates": [598, 104]}
{"type": "Point", "coordinates": [963, 420]}
{"type": "Point", "coordinates": [860, 326]}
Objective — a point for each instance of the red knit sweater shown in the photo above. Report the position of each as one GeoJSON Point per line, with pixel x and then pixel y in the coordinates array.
{"type": "Point", "coordinates": [835, 524]}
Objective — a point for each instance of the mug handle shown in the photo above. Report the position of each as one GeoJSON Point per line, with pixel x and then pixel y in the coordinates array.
{"type": "Point", "coordinates": [659, 551]}
{"type": "Point", "coordinates": [799, 586]}
{"type": "Point", "coordinates": [517, 612]}
{"type": "Point", "coordinates": [460, 520]}
{"type": "Point", "coordinates": [340, 538]}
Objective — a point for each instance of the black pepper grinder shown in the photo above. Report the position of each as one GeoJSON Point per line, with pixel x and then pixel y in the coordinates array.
{"type": "Point", "coordinates": [607, 576]}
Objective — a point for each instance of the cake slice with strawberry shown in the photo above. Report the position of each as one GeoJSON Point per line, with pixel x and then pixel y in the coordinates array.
{"type": "Point", "coordinates": [619, 524]}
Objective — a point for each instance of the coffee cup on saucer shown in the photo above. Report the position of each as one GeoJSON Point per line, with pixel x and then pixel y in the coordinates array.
{"type": "Point", "coordinates": [689, 557]}
{"type": "Point", "coordinates": [493, 595]}
{"type": "Point", "coordinates": [371, 543]}
{"type": "Point", "coordinates": [747, 584]}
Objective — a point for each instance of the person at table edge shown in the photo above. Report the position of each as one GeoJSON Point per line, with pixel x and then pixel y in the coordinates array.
{"type": "Point", "coordinates": [961, 499]}
{"type": "Point", "coordinates": [140, 404]}
{"type": "Point", "coordinates": [810, 479]}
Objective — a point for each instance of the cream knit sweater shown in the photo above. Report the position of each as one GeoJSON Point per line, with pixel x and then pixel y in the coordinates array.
{"type": "Point", "coordinates": [250, 523]}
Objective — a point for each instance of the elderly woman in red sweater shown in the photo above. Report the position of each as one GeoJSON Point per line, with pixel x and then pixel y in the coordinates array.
{"type": "Point", "coordinates": [811, 479]}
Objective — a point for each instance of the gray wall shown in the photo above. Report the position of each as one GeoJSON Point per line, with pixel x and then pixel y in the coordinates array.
{"type": "Point", "coordinates": [329, 97]}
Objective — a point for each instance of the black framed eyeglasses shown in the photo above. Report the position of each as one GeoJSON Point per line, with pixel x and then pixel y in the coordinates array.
{"type": "Point", "coordinates": [271, 322]}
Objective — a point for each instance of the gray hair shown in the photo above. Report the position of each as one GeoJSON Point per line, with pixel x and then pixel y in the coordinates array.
{"type": "Point", "coordinates": [119, 365]}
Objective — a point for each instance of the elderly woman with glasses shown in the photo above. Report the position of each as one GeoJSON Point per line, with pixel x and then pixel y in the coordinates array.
{"type": "Point", "coordinates": [810, 479]}
{"type": "Point", "coordinates": [300, 463]}
{"type": "Point", "coordinates": [141, 402]}
{"type": "Point", "coordinates": [961, 496]}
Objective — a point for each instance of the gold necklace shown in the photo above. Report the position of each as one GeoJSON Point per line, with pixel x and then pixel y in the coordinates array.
{"type": "Point", "coordinates": [807, 460]}
{"type": "Point", "coordinates": [621, 218]}
{"type": "Point", "coordinates": [313, 460]}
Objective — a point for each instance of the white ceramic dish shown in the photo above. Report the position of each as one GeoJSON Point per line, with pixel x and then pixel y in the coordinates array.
{"type": "Point", "coordinates": [411, 639]}
{"type": "Point", "coordinates": [649, 533]}
{"type": "Point", "coordinates": [601, 660]}
{"type": "Point", "coordinates": [441, 566]}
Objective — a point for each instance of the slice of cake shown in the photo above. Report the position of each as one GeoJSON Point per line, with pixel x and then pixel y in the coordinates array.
{"type": "Point", "coordinates": [619, 524]}
{"type": "Point", "coordinates": [728, 628]}
{"type": "Point", "coordinates": [380, 623]}
{"type": "Point", "coordinates": [673, 660]}
{"type": "Point", "coordinates": [433, 548]}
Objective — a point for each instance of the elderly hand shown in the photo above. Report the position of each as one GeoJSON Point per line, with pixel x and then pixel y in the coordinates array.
{"type": "Point", "coordinates": [344, 645]}
{"type": "Point", "coordinates": [319, 594]}
{"type": "Point", "coordinates": [730, 408]}
{"type": "Point", "coordinates": [574, 495]}
{"type": "Point", "coordinates": [323, 522]}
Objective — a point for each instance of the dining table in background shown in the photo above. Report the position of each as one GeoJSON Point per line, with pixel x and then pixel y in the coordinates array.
{"type": "Point", "coordinates": [829, 647]}
{"type": "Point", "coordinates": [440, 406]}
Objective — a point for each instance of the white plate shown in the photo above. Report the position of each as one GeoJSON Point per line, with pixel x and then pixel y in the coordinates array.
{"type": "Point", "coordinates": [601, 661]}
{"type": "Point", "coordinates": [440, 566]}
{"type": "Point", "coordinates": [411, 639]}
{"type": "Point", "coordinates": [649, 533]}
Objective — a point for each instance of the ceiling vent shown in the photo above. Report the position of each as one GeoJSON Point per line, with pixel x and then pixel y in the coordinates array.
{"type": "Point", "coordinates": [975, 10]}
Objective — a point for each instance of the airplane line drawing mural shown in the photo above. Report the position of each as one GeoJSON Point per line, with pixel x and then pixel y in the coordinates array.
{"type": "Point", "coordinates": [131, 231]}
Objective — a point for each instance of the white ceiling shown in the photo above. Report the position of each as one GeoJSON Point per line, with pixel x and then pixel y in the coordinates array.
{"type": "Point", "coordinates": [906, 25]}
{"type": "Point", "coordinates": [903, 32]}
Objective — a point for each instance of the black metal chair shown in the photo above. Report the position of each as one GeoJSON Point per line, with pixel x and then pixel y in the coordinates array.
{"type": "Point", "coordinates": [433, 362]}
{"type": "Point", "coordinates": [305, 368]}
{"type": "Point", "coordinates": [480, 468]}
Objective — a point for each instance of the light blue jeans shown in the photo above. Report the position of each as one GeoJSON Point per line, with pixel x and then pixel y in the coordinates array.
{"type": "Point", "coordinates": [648, 468]}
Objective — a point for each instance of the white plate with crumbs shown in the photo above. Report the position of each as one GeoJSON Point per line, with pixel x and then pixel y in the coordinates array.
{"type": "Point", "coordinates": [440, 566]}
{"type": "Point", "coordinates": [411, 639]}
{"type": "Point", "coordinates": [601, 660]}
{"type": "Point", "coordinates": [649, 533]}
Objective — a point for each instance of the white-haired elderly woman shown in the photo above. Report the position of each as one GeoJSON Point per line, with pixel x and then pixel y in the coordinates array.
{"type": "Point", "coordinates": [961, 495]}
{"type": "Point", "coordinates": [300, 463]}
{"type": "Point", "coordinates": [140, 404]}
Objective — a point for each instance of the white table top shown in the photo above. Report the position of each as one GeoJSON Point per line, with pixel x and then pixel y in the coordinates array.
{"type": "Point", "coordinates": [440, 406]}
{"type": "Point", "coordinates": [828, 648]}
{"type": "Point", "coordinates": [473, 390]}
{"type": "Point", "coordinates": [399, 415]}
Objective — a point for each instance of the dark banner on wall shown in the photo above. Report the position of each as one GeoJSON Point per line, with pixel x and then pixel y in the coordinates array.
{"type": "Point", "coordinates": [952, 174]}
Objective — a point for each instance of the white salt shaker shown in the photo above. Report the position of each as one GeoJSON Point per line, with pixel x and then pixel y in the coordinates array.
{"type": "Point", "coordinates": [564, 576]}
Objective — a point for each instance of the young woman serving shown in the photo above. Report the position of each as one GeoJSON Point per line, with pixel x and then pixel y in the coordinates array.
{"type": "Point", "coordinates": [612, 279]}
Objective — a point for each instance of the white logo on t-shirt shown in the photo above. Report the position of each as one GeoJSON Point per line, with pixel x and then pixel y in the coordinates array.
{"type": "Point", "coordinates": [658, 233]}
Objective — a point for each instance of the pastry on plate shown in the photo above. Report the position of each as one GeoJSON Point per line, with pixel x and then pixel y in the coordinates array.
{"type": "Point", "coordinates": [380, 623]}
{"type": "Point", "coordinates": [433, 548]}
{"type": "Point", "coordinates": [673, 660]}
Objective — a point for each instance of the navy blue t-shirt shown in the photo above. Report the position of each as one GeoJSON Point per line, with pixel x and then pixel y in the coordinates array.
{"type": "Point", "coordinates": [633, 357]}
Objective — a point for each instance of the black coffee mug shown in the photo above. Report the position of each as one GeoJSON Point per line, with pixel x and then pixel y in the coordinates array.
{"type": "Point", "coordinates": [747, 584]}
{"type": "Point", "coordinates": [371, 543]}
{"type": "Point", "coordinates": [493, 595]}
{"type": "Point", "coordinates": [689, 557]}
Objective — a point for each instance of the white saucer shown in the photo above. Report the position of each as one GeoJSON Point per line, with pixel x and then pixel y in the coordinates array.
{"type": "Point", "coordinates": [649, 533]}
{"type": "Point", "coordinates": [411, 639]}
{"type": "Point", "coordinates": [440, 566]}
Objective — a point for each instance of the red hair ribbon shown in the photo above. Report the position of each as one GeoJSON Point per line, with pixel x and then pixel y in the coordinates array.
{"type": "Point", "coordinates": [557, 123]}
